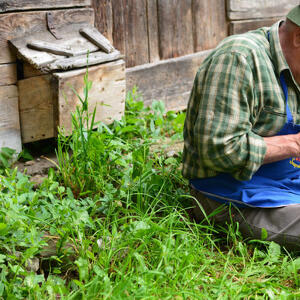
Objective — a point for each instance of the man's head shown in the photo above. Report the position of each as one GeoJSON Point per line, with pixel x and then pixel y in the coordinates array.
{"type": "Point", "coordinates": [289, 33]}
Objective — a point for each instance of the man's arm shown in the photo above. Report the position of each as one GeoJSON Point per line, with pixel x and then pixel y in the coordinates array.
{"type": "Point", "coordinates": [281, 147]}
{"type": "Point", "coordinates": [219, 118]}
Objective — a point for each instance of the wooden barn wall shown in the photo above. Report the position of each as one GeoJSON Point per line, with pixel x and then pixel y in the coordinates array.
{"type": "Point", "coordinates": [148, 31]}
{"type": "Point", "coordinates": [164, 42]}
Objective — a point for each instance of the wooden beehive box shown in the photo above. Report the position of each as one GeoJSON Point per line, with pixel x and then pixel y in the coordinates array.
{"type": "Point", "coordinates": [52, 64]}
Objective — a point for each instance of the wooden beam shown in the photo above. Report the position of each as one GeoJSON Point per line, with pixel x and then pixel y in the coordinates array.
{"type": "Point", "coordinates": [152, 23]}
{"type": "Point", "coordinates": [175, 28]}
{"type": "Point", "coordinates": [257, 9]}
{"type": "Point", "coordinates": [169, 80]}
{"type": "Point", "coordinates": [8, 74]}
{"type": "Point", "coordinates": [14, 25]}
{"type": "Point", "coordinates": [10, 135]}
{"type": "Point", "coordinates": [209, 23]}
{"type": "Point", "coordinates": [14, 5]}
{"type": "Point", "coordinates": [136, 33]}
{"type": "Point", "coordinates": [237, 27]}
{"type": "Point", "coordinates": [37, 98]}
{"type": "Point", "coordinates": [118, 25]}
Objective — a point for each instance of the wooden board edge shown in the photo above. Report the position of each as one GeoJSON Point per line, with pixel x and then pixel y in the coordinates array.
{"type": "Point", "coordinates": [10, 133]}
{"type": "Point", "coordinates": [237, 27]}
{"type": "Point", "coordinates": [256, 10]}
{"type": "Point", "coordinates": [169, 80]}
{"type": "Point", "coordinates": [35, 5]}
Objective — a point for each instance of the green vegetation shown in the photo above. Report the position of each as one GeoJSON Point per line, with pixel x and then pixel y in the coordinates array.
{"type": "Point", "coordinates": [113, 223]}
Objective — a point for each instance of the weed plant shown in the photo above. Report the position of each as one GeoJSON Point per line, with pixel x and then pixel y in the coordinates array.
{"type": "Point", "coordinates": [113, 223]}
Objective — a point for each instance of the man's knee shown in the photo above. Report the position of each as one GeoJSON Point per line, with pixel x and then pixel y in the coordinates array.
{"type": "Point", "coordinates": [205, 208]}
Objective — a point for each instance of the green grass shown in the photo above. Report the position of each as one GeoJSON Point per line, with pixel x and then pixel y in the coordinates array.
{"type": "Point", "coordinates": [113, 223]}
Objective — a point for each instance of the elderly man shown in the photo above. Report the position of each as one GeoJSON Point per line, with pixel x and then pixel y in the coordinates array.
{"type": "Point", "coordinates": [242, 138]}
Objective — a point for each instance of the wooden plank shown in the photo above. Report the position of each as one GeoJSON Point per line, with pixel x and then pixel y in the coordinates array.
{"type": "Point", "coordinates": [169, 80]}
{"type": "Point", "coordinates": [255, 9]}
{"type": "Point", "coordinates": [81, 61]}
{"type": "Point", "coordinates": [237, 27]}
{"type": "Point", "coordinates": [37, 97]}
{"type": "Point", "coordinates": [107, 93]}
{"type": "Point", "coordinates": [152, 31]}
{"type": "Point", "coordinates": [104, 17]}
{"type": "Point", "coordinates": [209, 23]}
{"type": "Point", "coordinates": [118, 25]}
{"type": "Point", "coordinates": [10, 135]}
{"type": "Point", "coordinates": [93, 35]}
{"type": "Point", "coordinates": [136, 33]}
{"type": "Point", "coordinates": [14, 5]}
{"type": "Point", "coordinates": [14, 25]}
{"type": "Point", "coordinates": [8, 74]}
{"type": "Point", "coordinates": [175, 28]}
{"type": "Point", "coordinates": [50, 47]}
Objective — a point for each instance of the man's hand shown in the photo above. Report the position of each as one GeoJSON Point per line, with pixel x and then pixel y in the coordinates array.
{"type": "Point", "coordinates": [281, 147]}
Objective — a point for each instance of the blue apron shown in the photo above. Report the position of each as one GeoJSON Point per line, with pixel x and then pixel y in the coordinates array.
{"type": "Point", "coordinates": [273, 185]}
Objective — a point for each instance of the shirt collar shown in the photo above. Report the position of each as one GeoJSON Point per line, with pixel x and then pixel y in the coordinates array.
{"type": "Point", "coordinates": [278, 58]}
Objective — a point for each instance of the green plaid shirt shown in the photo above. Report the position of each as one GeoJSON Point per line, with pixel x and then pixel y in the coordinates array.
{"type": "Point", "coordinates": [236, 100]}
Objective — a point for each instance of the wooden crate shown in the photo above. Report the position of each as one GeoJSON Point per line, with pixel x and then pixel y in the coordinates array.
{"type": "Point", "coordinates": [47, 101]}
{"type": "Point", "coordinates": [54, 70]}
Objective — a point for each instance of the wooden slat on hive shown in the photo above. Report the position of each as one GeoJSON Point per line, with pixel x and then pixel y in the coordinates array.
{"type": "Point", "coordinates": [152, 31]}
{"type": "Point", "coordinates": [14, 25]}
{"type": "Point", "coordinates": [175, 28]}
{"type": "Point", "coordinates": [107, 93]}
{"type": "Point", "coordinates": [8, 74]}
{"type": "Point", "coordinates": [169, 80]}
{"type": "Point", "coordinates": [237, 27]}
{"type": "Point", "coordinates": [255, 9]}
{"type": "Point", "coordinates": [37, 98]}
{"type": "Point", "coordinates": [10, 135]}
{"type": "Point", "coordinates": [136, 33]}
{"type": "Point", "coordinates": [209, 23]}
{"type": "Point", "coordinates": [14, 5]}
{"type": "Point", "coordinates": [81, 60]}
{"type": "Point", "coordinates": [104, 17]}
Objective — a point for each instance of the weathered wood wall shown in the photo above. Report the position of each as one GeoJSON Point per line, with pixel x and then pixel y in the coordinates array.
{"type": "Point", "coordinates": [147, 31]}
{"type": "Point", "coordinates": [159, 37]}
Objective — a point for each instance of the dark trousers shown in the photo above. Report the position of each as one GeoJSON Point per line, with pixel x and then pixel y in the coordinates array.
{"type": "Point", "coordinates": [282, 224]}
